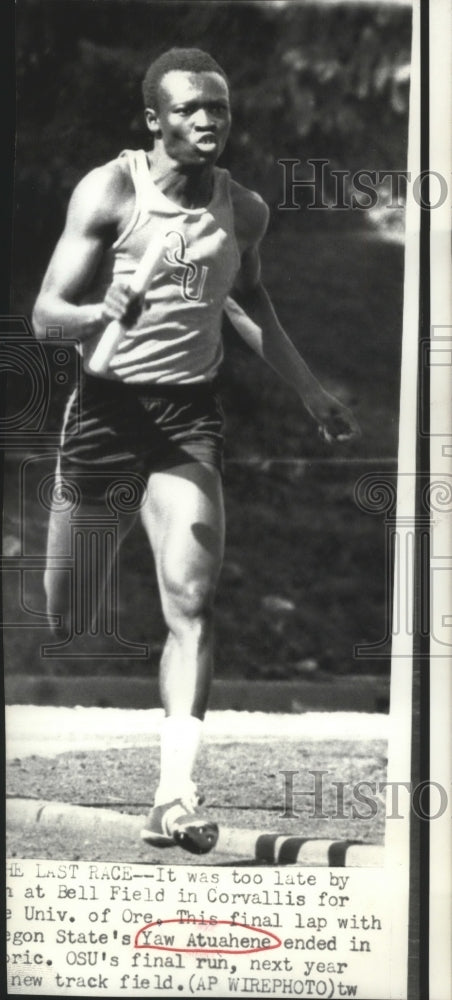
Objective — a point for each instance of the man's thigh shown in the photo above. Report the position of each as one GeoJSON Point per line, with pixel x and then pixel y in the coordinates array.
{"type": "Point", "coordinates": [82, 543]}
{"type": "Point", "coordinates": [183, 515]}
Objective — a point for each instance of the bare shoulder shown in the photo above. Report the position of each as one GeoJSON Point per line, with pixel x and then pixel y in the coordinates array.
{"type": "Point", "coordinates": [251, 215]}
{"type": "Point", "coordinates": [102, 196]}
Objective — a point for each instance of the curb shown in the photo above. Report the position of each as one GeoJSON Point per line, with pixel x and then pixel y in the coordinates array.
{"type": "Point", "coordinates": [61, 815]}
{"type": "Point", "coordinates": [245, 844]}
{"type": "Point", "coordinates": [292, 850]}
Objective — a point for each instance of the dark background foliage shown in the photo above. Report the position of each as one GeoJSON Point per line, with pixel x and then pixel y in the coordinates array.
{"type": "Point", "coordinates": [308, 80]}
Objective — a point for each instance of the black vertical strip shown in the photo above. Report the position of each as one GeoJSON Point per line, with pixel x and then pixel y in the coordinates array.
{"type": "Point", "coordinates": [422, 572]}
{"type": "Point", "coordinates": [7, 91]}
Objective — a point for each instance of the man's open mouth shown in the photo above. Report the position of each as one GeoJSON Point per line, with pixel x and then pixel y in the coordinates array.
{"type": "Point", "coordinates": [207, 142]}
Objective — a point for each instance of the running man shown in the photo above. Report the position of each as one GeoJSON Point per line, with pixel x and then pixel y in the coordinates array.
{"type": "Point", "coordinates": [154, 412]}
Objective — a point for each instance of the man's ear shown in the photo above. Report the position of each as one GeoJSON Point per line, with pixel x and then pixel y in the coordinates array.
{"type": "Point", "coordinates": [152, 122]}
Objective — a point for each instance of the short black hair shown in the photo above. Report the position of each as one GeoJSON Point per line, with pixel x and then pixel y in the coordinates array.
{"type": "Point", "coordinates": [188, 60]}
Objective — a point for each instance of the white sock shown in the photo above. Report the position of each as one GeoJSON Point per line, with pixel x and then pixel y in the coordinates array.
{"type": "Point", "coordinates": [180, 737]}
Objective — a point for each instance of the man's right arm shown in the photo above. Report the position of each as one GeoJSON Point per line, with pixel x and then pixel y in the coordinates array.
{"type": "Point", "coordinates": [91, 226]}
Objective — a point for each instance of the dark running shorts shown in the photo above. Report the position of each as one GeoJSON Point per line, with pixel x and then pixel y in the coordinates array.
{"type": "Point", "coordinates": [115, 434]}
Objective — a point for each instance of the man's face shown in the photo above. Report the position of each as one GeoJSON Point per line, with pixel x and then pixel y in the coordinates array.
{"type": "Point", "coordinates": [193, 117]}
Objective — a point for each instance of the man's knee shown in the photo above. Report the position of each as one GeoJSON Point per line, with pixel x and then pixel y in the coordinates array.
{"type": "Point", "coordinates": [189, 600]}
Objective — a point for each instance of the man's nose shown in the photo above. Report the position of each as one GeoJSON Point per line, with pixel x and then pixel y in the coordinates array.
{"type": "Point", "coordinates": [204, 120]}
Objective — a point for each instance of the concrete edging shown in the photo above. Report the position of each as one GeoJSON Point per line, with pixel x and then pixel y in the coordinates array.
{"type": "Point", "coordinates": [244, 844]}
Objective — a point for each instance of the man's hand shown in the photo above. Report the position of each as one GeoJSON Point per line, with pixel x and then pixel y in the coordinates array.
{"type": "Point", "coordinates": [122, 303]}
{"type": "Point", "coordinates": [335, 422]}
{"type": "Point", "coordinates": [119, 311]}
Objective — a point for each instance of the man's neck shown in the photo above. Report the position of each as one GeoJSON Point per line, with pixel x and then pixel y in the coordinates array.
{"type": "Point", "coordinates": [188, 187]}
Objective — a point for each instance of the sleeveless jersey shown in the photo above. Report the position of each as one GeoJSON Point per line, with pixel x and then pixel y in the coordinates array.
{"type": "Point", "coordinates": [177, 338]}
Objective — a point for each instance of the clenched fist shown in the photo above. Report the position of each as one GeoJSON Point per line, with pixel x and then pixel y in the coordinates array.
{"type": "Point", "coordinates": [122, 304]}
{"type": "Point", "coordinates": [335, 421]}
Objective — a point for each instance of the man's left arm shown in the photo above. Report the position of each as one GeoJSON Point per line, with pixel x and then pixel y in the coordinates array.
{"type": "Point", "coordinates": [252, 313]}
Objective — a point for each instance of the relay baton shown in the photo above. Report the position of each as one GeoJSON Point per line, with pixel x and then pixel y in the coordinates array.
{"type": "Point", "coordinates": [116, 330]}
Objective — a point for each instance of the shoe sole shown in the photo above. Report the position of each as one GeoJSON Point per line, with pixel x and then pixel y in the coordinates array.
{"type": "Point", "coordinates": [196, 838]}
{"type": "Point", "coordinates": [192, 837]}
{"type": "Point", "coordinates": [156, 839]}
